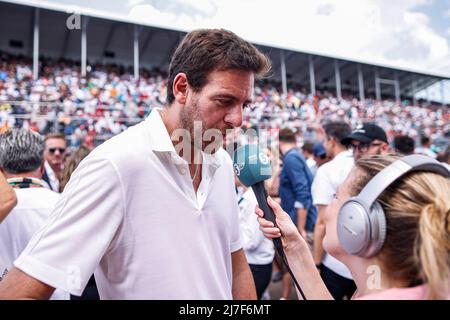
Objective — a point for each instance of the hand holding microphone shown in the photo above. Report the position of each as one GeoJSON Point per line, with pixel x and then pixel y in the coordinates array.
{"type": "Point", "coordinates": [284, 228]}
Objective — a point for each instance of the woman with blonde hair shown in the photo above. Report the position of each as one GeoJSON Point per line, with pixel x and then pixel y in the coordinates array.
{"type": "Point", "coordinates": [71, 164]}
{"type": "Point", "coordinates": [399, 248]}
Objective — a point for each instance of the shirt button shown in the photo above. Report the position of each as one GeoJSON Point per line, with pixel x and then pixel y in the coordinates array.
{"type": "Point", "coordinates": [183, 170]}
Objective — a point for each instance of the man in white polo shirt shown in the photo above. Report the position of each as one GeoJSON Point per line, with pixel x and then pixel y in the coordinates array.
{"type": "Point", "coordinates": [329, 176]}
{"type": "Point", "coordinates": [150, 222]}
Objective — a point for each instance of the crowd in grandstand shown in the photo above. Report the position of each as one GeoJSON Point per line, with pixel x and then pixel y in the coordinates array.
{"type": "Point", "coordinates": [92, 109]}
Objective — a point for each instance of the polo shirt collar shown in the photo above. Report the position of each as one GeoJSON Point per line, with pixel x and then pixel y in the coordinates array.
{"type": "Point", "coordinates": [160, 141]}
{"type": "Point", "coordinates": [159, 137]}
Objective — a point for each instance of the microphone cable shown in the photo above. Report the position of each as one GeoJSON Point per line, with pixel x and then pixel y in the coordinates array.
{"type": "Point", "coordinates": [279, 247]}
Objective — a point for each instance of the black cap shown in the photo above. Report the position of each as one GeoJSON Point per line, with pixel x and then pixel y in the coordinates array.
{"type": "Point", "coordinates": [366, 133]}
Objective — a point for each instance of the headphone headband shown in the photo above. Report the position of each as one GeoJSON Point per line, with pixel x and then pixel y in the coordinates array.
{"type": "Point", "coordinates": [395, 170]}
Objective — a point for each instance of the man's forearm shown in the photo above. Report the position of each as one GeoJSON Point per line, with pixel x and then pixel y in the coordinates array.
{"type": "Point", "coordinates": [243, 284]}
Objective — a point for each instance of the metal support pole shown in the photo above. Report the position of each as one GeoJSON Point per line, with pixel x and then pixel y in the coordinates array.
{"type": "Point", "coordinates": [414, 91]}
{"type": "Point", "coordinates": [283, 73]}
{"type": "Point", "coordinates": [337, 76]}
{"type": "Point", "coordinates": [136, 51]}
{"type": "Point", "coordinates": [360, 84]}
{"type": "Point", "coordinates": [36, 44]}
{"type": "Point", "coordinates": [312, 77]}
{"type": "Point", "coordinates": [397, 89]}
{"type": "Point", "coordinates": [84, 46]}
{"type": "Point", "coordinates": [377, 86]}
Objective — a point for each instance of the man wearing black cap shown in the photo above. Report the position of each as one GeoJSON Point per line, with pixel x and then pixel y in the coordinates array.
{"type": "Point", "coordinates": [367, 139]}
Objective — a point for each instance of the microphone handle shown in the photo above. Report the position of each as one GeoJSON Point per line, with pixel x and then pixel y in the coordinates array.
{"type": "Point", "coordinates": [261, 196]}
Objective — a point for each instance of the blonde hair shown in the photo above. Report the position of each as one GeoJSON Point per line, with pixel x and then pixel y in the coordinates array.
{"type": "Point", "coordinates": [71, 164]}
{"type": "Point", "coordinates": [417, 207]}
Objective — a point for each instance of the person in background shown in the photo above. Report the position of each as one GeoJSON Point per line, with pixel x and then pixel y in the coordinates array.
{"type": "Point", "coordinates": [403, 145]}
{"type": "Point", "coordinates": [308, 153]}
{"type": "Point", "coordinates": [54, 155]}
{"type": "Point", "coordinates": [425, 147]}
{"type": "Point", "coordinates": [320, 154]}
{"type": "Point", "coordinates": [71, 164]}
{"type": "Point", "coordinates": [367, 139]}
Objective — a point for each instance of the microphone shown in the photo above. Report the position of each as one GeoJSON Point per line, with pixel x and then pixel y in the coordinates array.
{"type": "Point", "coordinates": [252, 167]}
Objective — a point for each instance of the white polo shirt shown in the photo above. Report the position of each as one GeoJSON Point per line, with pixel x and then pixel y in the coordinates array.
{"type": "Point", "coordinates": [130, 209]}
{"type": "Point", "coordinates": [258, 249]}
{"type": "Point", "coordinates": [328, 178]}
{"type": "Point", "coordinates": [33, 209]}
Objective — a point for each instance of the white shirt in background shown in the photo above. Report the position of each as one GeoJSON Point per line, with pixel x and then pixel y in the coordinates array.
{"type": "Point", "coordinates": [258, 249]}
{"type": "Point", "coordinates": [426, 152]}
{"type": "Point", "coordinates": [312, 165]}
{"type": "Point", "coordinates": [54, 182]}
{"type": "Point", "coordinates": [328, 177]}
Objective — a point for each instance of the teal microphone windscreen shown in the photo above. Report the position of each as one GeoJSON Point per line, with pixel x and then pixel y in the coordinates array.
{"type": "Point", "coordinates": [251, 164]}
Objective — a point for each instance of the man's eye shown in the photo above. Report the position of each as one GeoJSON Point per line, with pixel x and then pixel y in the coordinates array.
{"type": "Point", "coordinates": [224, 102]}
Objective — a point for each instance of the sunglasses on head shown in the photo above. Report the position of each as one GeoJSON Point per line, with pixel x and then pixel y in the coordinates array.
{"type": "Point", "coordinates": [53, 150]}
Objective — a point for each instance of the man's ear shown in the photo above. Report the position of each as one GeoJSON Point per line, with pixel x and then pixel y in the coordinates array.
{"type": "Point", "coordinates": [180, 88]}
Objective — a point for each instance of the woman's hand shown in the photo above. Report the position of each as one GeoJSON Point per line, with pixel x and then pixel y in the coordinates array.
{"type": "Point", "coordinates": [285, 228]}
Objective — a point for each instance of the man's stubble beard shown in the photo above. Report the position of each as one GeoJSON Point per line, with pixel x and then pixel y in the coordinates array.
{"type": "Point", "coordinates": [191, 114]}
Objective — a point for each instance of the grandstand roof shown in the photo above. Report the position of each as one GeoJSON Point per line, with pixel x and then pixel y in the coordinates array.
{"type": "Point", "coordinates": [110, 40]}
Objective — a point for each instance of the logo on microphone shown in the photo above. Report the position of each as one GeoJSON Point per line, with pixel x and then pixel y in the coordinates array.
{"type": "Point", "coordinates": [237, 168]}
{"type": "Point", "coordinates": [263, 158]}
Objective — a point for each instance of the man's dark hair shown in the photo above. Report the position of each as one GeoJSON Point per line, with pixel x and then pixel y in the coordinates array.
{"type": "Point", "coordinates": [337, 129]}
{"type": "Point", "coordinates": [206, 50]}
{"type": "Point", "coordinates": [21, 151]}
{"type": "Point", "coordinates": [404, 145]}
{"type": "Point", "coordinates": [287, 135]}
{"type": "Point", "coordinates": [424, 140]}
{"type": "Point", "coordinates": [308, 147]}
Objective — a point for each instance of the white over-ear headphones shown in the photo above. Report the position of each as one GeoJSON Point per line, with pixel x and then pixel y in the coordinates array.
{"type": "Point", "coordinates": [361, 225]}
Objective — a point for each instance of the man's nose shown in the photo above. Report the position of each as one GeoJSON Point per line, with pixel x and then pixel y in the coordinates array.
{"type": "Point", "coordinates": [234, 117]}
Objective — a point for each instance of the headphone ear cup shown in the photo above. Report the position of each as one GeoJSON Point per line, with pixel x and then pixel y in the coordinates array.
{"type": "Point", "coordinates": [377, 219]}
{"type": "Point", "coordinates": [353, 227]}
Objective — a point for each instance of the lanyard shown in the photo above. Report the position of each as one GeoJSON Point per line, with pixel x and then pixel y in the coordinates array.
{"type": "Point", "coordinates": [23, 183]}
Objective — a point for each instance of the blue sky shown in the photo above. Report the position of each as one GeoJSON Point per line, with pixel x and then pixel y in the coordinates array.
{"type": "Point", "coordinates": [408, 34]}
